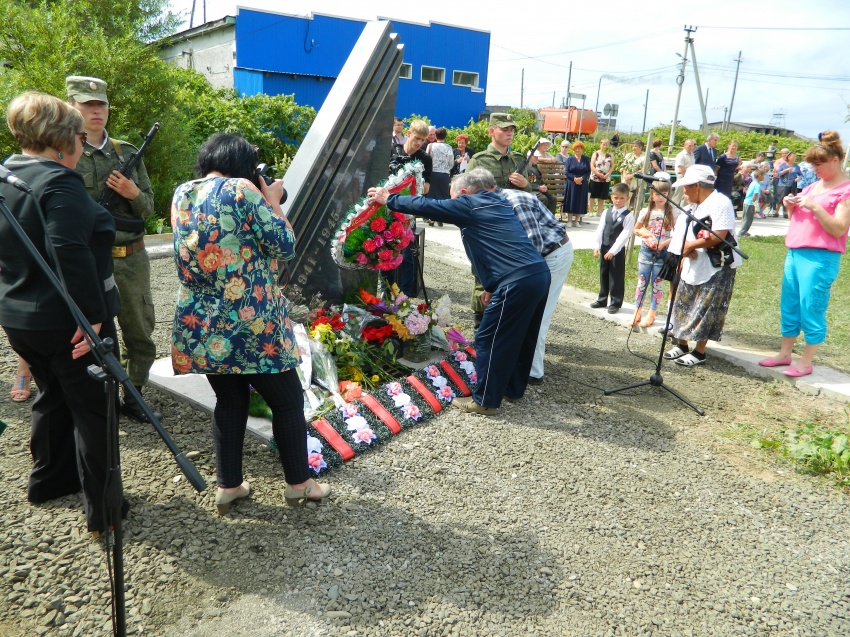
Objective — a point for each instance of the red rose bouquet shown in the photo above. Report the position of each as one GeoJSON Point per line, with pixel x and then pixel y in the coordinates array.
{"type": "Point", "coordinates": [373, 237]}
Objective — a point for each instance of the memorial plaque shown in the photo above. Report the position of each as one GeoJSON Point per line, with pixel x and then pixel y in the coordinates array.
{"type": "Point", "coordinates": [346, 151]}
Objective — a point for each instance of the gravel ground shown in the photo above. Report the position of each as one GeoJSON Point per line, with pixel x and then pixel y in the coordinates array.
{"type": "Point", "coordinates": [568, 514]}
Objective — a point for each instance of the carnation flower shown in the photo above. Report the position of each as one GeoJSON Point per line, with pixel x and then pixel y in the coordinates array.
{"type": "Point", "coordinates": [411, 411]}
{"type": "Point", "coordinates": [385, 255]}
{"type": "Point", "coordinates": [314, 445]}
{"type": "Point", "coordinates": [394, 388]}
{"type": "Point", "coordinates": [364, 436]}
{"type": "Point", "coordinates": [446, 394]}
{"type": "Point", "coordinates": [358, 422]}
{"type": "Point", "coordinates": [378, 224]}
{"type": "Point", "coordinates": [316, 462]}
{"type": "Point", "coordinates": [349, 411]}
{"type": "Point", "coordinates": [370, 246]}
{"type": "Point", "coordinates": [401, 400]}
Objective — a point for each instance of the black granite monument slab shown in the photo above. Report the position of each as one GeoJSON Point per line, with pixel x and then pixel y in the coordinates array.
{"type": "Point", "coordinates": [345, 152]}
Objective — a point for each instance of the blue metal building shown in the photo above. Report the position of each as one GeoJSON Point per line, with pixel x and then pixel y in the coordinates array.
{"type": "Point", "coordinates": [443, 77]}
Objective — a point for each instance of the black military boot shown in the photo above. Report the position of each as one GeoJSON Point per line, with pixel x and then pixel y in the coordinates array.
{"type": "Point", "coordinates": [133, 409]}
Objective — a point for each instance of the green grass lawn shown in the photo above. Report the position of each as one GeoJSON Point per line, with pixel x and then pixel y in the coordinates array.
{"type": "Point", "coordinates": [754, 312]}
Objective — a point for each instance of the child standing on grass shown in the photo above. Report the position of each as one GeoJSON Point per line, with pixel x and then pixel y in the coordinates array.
{"type": "Point", "coordinates": [654, 226]}
{"type": "Point", "coordinates": [612, 233]}
{"type": "Point", "coordinates": [751, 202]}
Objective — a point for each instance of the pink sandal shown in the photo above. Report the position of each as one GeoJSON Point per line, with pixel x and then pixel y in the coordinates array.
{"type": "Point", "coordinates": [775, 362]}
{"type": "Point", "coordinates": [796, 372]}
{"type": "Point", "coordinates": [21, 393]}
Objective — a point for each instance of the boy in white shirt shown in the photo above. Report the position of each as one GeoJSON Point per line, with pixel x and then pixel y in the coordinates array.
{"type": "Point", "coordinates": [613, 232]}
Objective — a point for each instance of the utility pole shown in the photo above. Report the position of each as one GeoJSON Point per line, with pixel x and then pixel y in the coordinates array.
{"type": "Point", "coordinates": [645, 106]}
{"type": "Point", "coordinates": [553, 99]}
{"type": "Point", "coordinates": [192, 15]}
{"type": "Point", "coordinates": [734, 88]}
{"type": "Point", "coordinates": [699, 89]}
{"type": "Point", "coordinates": [598, 88]}
{"type": "Point", "coordinates": [569, 84]}
{"type": "Point", "coordinates": [521, 88]}
{"type": "Point", "coordinates": [680, 81]}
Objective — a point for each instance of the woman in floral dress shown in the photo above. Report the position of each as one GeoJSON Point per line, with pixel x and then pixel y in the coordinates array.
{"type": "Point", "coordinates": [230, 322]}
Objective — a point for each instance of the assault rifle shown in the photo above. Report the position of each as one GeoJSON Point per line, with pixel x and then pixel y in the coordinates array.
{"type": "Point", "coordinates": [522, 166]}
{"type": "Point", "coordinates": [109, 199]}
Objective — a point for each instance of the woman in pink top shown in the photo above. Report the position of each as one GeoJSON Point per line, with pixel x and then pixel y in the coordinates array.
{"type": "Point", "coordinates": [816, 239]}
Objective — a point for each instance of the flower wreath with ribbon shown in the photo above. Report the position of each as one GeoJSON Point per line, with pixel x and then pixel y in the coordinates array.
{"type": "Point", "coordinates": [372, 237]}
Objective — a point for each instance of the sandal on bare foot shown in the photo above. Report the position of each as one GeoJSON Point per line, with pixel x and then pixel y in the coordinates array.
{"type": "Point", "coordinates": [21, 391]}
{"type": "Point", "coordinates": [675, 352]}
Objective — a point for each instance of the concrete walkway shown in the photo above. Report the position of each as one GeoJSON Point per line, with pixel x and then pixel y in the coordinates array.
{"type": "Point", "coordinates": [445, 244]}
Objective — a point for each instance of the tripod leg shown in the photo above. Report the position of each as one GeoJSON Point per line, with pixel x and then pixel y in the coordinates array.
{"type": "Point", "coordinates": [683, 399]}
{"type": "Point", "coordinates": [608, 392]}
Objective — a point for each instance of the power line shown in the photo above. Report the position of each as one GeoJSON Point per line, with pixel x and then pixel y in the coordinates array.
{"type": "Point", "coordinates": [779, 28]}
{"type": "Point", "coordinates": [802, 76]}
{"type": "Point", "coordinates": [537, 58]}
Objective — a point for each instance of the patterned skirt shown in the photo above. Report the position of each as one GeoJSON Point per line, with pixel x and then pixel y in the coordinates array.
{"type": "Point", "coordinates": [700, 310]}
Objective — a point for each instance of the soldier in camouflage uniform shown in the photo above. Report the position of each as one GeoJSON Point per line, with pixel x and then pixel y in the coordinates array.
{"type": "Point", "coordinates": [503, 163]}
{"type": "Point", "coordinates": [99, 164]}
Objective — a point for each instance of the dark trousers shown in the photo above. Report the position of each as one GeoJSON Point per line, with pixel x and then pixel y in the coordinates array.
{"type": "Point", "coordinates": [282, 393]}
{"type": "Point", "coordinates": [612, 277]}
{"type": "Point", "coordinates": [507, 337]}
{"type": "Point", "coordinates": [68, 431]}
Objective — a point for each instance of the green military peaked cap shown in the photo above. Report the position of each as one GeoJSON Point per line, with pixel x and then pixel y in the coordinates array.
{"type": "Point", "coordinates": [86, 89]}
{"type": "Point", "coordinates": [502, 120]}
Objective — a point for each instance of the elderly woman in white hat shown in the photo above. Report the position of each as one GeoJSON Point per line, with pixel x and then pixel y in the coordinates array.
{"type": "Point", "coordinates": [708, 271]}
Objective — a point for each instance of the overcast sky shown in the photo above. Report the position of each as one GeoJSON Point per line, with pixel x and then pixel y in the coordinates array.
{"type": "Point", "coordinates": [801, 73]}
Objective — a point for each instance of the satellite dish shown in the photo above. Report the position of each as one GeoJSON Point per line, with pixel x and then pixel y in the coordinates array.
{"type": "Point", "coordinates": [607, 110]}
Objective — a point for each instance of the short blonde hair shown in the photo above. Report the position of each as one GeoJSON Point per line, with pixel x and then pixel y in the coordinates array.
{"type": "Point", "coordinates": [39, 121]}
{"type": "Point", "coordinates": [418, 127]}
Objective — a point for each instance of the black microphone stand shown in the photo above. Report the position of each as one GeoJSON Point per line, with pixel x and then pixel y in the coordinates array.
{"type": "Point", "coordinates": [109, 371]}
{"type": "Point", "coordinates": [656, 380]}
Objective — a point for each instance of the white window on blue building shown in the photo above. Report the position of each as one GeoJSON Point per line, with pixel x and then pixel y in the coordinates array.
{"type": "Point", "coordinates": [406, 72]}
{"type": "Point", "coordinates": [465, 78]}
{"type": "Point", "coordinates": [433, 74]}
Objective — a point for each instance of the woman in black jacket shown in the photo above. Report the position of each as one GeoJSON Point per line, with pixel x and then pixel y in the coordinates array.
{"type": "Point", "coordinates": [68, 435]}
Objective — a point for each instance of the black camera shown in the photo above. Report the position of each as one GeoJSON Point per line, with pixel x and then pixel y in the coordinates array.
{"type": "Point", "coordinates": [261, 172]}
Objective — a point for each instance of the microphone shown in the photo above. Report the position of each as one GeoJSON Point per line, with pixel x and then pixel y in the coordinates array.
{"type": "Point", "coordinates": [648, 178]}
{"type": "Point", "coordinates": [8, 177]}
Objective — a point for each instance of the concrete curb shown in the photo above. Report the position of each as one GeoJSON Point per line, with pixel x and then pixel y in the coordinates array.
{"type": "Point", "coordinates": [823, 381]}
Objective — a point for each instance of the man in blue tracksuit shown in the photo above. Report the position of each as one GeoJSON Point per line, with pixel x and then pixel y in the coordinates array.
{"type": "Point", "coordinates": [514, 275]}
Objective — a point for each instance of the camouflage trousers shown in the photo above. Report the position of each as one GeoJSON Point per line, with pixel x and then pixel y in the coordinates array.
{"type": "Point", "coordinates": [136, 316]}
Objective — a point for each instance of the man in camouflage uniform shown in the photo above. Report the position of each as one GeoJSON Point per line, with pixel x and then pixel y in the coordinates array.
{"type": "Point", "coordinates": [503, 163]}
{"type": "Point", "coordinates": [99, 164]}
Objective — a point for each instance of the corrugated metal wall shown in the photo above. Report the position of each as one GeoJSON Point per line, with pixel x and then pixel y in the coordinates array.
{"type": "Point", "coordinates": [278, 54]}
